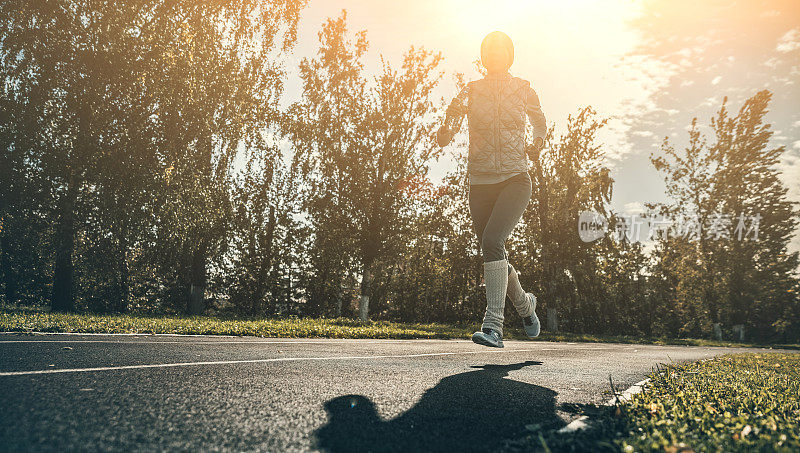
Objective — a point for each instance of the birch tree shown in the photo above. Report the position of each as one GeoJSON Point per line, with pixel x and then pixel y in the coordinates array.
{"type": "Point", "coordinates": [361, 141]}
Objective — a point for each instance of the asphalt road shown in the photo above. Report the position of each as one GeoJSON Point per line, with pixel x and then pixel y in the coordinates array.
{"type": "Point", "coordinates": [145, 393]}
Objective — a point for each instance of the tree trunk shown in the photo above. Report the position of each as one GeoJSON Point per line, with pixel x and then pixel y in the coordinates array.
{"type": "Point", "coordinates": [63, 297]}
{"type": "Point", "coordinates": [552, 320]}
{"type": "Point", "coordinates": [123, 288]}
{"type": "Point", "coordinates": [338, 312]}
{"type": "Point", "coordinates": [718, 331]}
{"type": "Point", "coordinates": [197, 285]}
{"type": "Point", "coordinates": [363, 303]}
{"type": "Point", "coordinates": [265, 270]}
{"type": "Point", "coordinates": [738, 332]}
{"type": "Point", "coordinates": [9, 275]}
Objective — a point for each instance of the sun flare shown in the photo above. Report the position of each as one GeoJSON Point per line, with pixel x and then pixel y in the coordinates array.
{"type": "Point", "coordinates": [524, 20]}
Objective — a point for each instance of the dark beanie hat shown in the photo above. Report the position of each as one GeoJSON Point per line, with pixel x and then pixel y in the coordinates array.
{"type": "Point", "coordinates": [497, 38]}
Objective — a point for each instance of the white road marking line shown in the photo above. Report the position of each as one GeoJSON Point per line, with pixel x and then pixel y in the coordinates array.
{"type": "Point", "coordinates": [575, 425]}
{"type": "Point", "coordinates": [234, 362]}
{"type": "Point", "coordinates": [330, 341]}
{"type": "Point", "coordinates": [628, 394]}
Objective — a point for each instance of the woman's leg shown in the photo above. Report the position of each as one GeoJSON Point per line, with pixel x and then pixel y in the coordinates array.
{"type": "Point", "coordinates": [482, 198]}
{"type": "Point", "coordinates": [511, 203]}
{"type": "Point", "coordinates": [481, 201]}
{"type": "Point", "coordinates": [512, 199]}
{"type": "Point", "coordinates": [517, 295]}
{"type": "Point", "coordinates": [505, 202]}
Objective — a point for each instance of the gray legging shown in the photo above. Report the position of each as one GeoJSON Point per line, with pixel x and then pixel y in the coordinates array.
{"type": "Point", "coordinates": [496, 210]}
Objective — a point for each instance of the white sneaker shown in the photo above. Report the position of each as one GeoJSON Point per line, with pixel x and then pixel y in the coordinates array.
{"type": "Point", "coordinates": [531, 323]}
{"type": "Point", "coordinates": [488, 337]}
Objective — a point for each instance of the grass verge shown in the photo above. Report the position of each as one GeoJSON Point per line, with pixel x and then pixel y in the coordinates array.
{"type": "Point", "coordinates": [40, 321]}
{"type": "Point", "coordinates": [742, 402]}
{"type": "Point", "coordinates": [13, 319]}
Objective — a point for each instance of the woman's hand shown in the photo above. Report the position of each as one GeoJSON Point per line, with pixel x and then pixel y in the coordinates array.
{"type": "Point", "coordinates": [443, 136]}
{"type": "Point", "coordinates": [534, 150]}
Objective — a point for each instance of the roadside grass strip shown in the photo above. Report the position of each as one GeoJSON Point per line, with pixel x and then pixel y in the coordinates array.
{"type": "Point", "coordinates": [34, 320]}
{"type": "Point", "coordinates": [41, 321]}
{"type": "Point", "coordinates": [740, 402]}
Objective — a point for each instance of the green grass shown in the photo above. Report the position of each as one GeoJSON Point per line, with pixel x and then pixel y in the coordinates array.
{"type": "Point", "coordinates": [742, 402]}
{"type": "Point", "coordinates": [40, 321]}
{"type": "Point", "coordinates": [14, 319]}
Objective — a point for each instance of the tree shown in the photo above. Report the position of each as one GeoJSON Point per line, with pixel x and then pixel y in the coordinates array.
{"type": "Point", "coordinates": [439, 275]}
{"type": "Point", "coordinates": [61, 56]}
{"type": "Point", "coordinates": [361, 143]}
{"type": "Point", "coordinates": [117, 98]}
{"type": "Point", "coordinates": [266, 239]}
{"type": "Point", "coordinates": [218, 91]}
{"type": "Point", "coordinates": [689, 181]}
{"type": "Point", "coordinates": [23, 217]}
{"type": "Point", "coordinates": [733, 182]}
{"type": "Point", "coordinates": [321, 128]}
{"type": "Point", "coordinates": [568, 178]}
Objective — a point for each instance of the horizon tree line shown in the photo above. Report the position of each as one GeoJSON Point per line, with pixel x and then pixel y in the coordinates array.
{"type": "Point", "coordinates": [148, 166]}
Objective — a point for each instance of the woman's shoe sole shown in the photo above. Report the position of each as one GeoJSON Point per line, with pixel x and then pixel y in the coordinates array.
{"type": "Point", "coordinates": [477, 339]}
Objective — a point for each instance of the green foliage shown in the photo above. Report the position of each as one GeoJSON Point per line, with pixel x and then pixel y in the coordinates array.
{"type": "Point", "coordinates": [438, 276]}
{"type": "Point", "coordinates": [736, 280]}
{"type": "Point", "coordinates": [569, 177]}
{"type": "Point", "coordinates": [147, 164]}
{"type": "Point", "coordinates": [123, 119]}
{"type": "Point", "coordinates": [264, 254]}
{"type": "Point", "coordinates": [363, 150]}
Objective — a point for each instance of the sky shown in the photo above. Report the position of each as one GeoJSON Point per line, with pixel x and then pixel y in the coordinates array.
{"type": "Point", "coordinates": [647, 66]}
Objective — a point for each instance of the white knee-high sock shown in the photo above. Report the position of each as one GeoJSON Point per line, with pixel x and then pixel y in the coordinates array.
{"type": "Point", "coordinates": [517, 294]}
{"type": "Point", "coordinates": [495, 275]}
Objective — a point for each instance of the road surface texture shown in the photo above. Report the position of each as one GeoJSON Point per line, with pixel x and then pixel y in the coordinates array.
{"type": "Point", "coordinates": [145, 393]}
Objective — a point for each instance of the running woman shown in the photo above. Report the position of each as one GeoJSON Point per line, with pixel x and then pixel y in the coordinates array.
{"type": "Point", "coordinates": [499, 183]}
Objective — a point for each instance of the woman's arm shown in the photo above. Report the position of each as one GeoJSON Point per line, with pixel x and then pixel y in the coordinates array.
{"type": "Point", "coordinates": [453, 118]}
{"type": "Point", "coordinates": [534, 111]}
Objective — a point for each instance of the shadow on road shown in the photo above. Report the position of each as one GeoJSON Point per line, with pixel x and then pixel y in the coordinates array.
{"type": "Point", "coordinates": [472, 411]}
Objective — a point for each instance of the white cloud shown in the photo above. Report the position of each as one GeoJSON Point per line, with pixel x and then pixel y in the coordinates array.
{"type": "Point", "coordinates": [716, 80]}
{"type": "Point", "coordinates": [710, 101]}
{"type": "Point", "coordinates": [772, 63]}
{"type": "Point", "coordinates": [789, 41]}
{"type": "Point", "coordinates": [643, 133]}
{"type": "Point", "coordinates": [796, 145]}
{"type": "Point", "coordinates": [634, 207]}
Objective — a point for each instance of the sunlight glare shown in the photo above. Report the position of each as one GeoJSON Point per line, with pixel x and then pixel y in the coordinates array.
{"type": "Point", "coordinates": [548, 27]}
